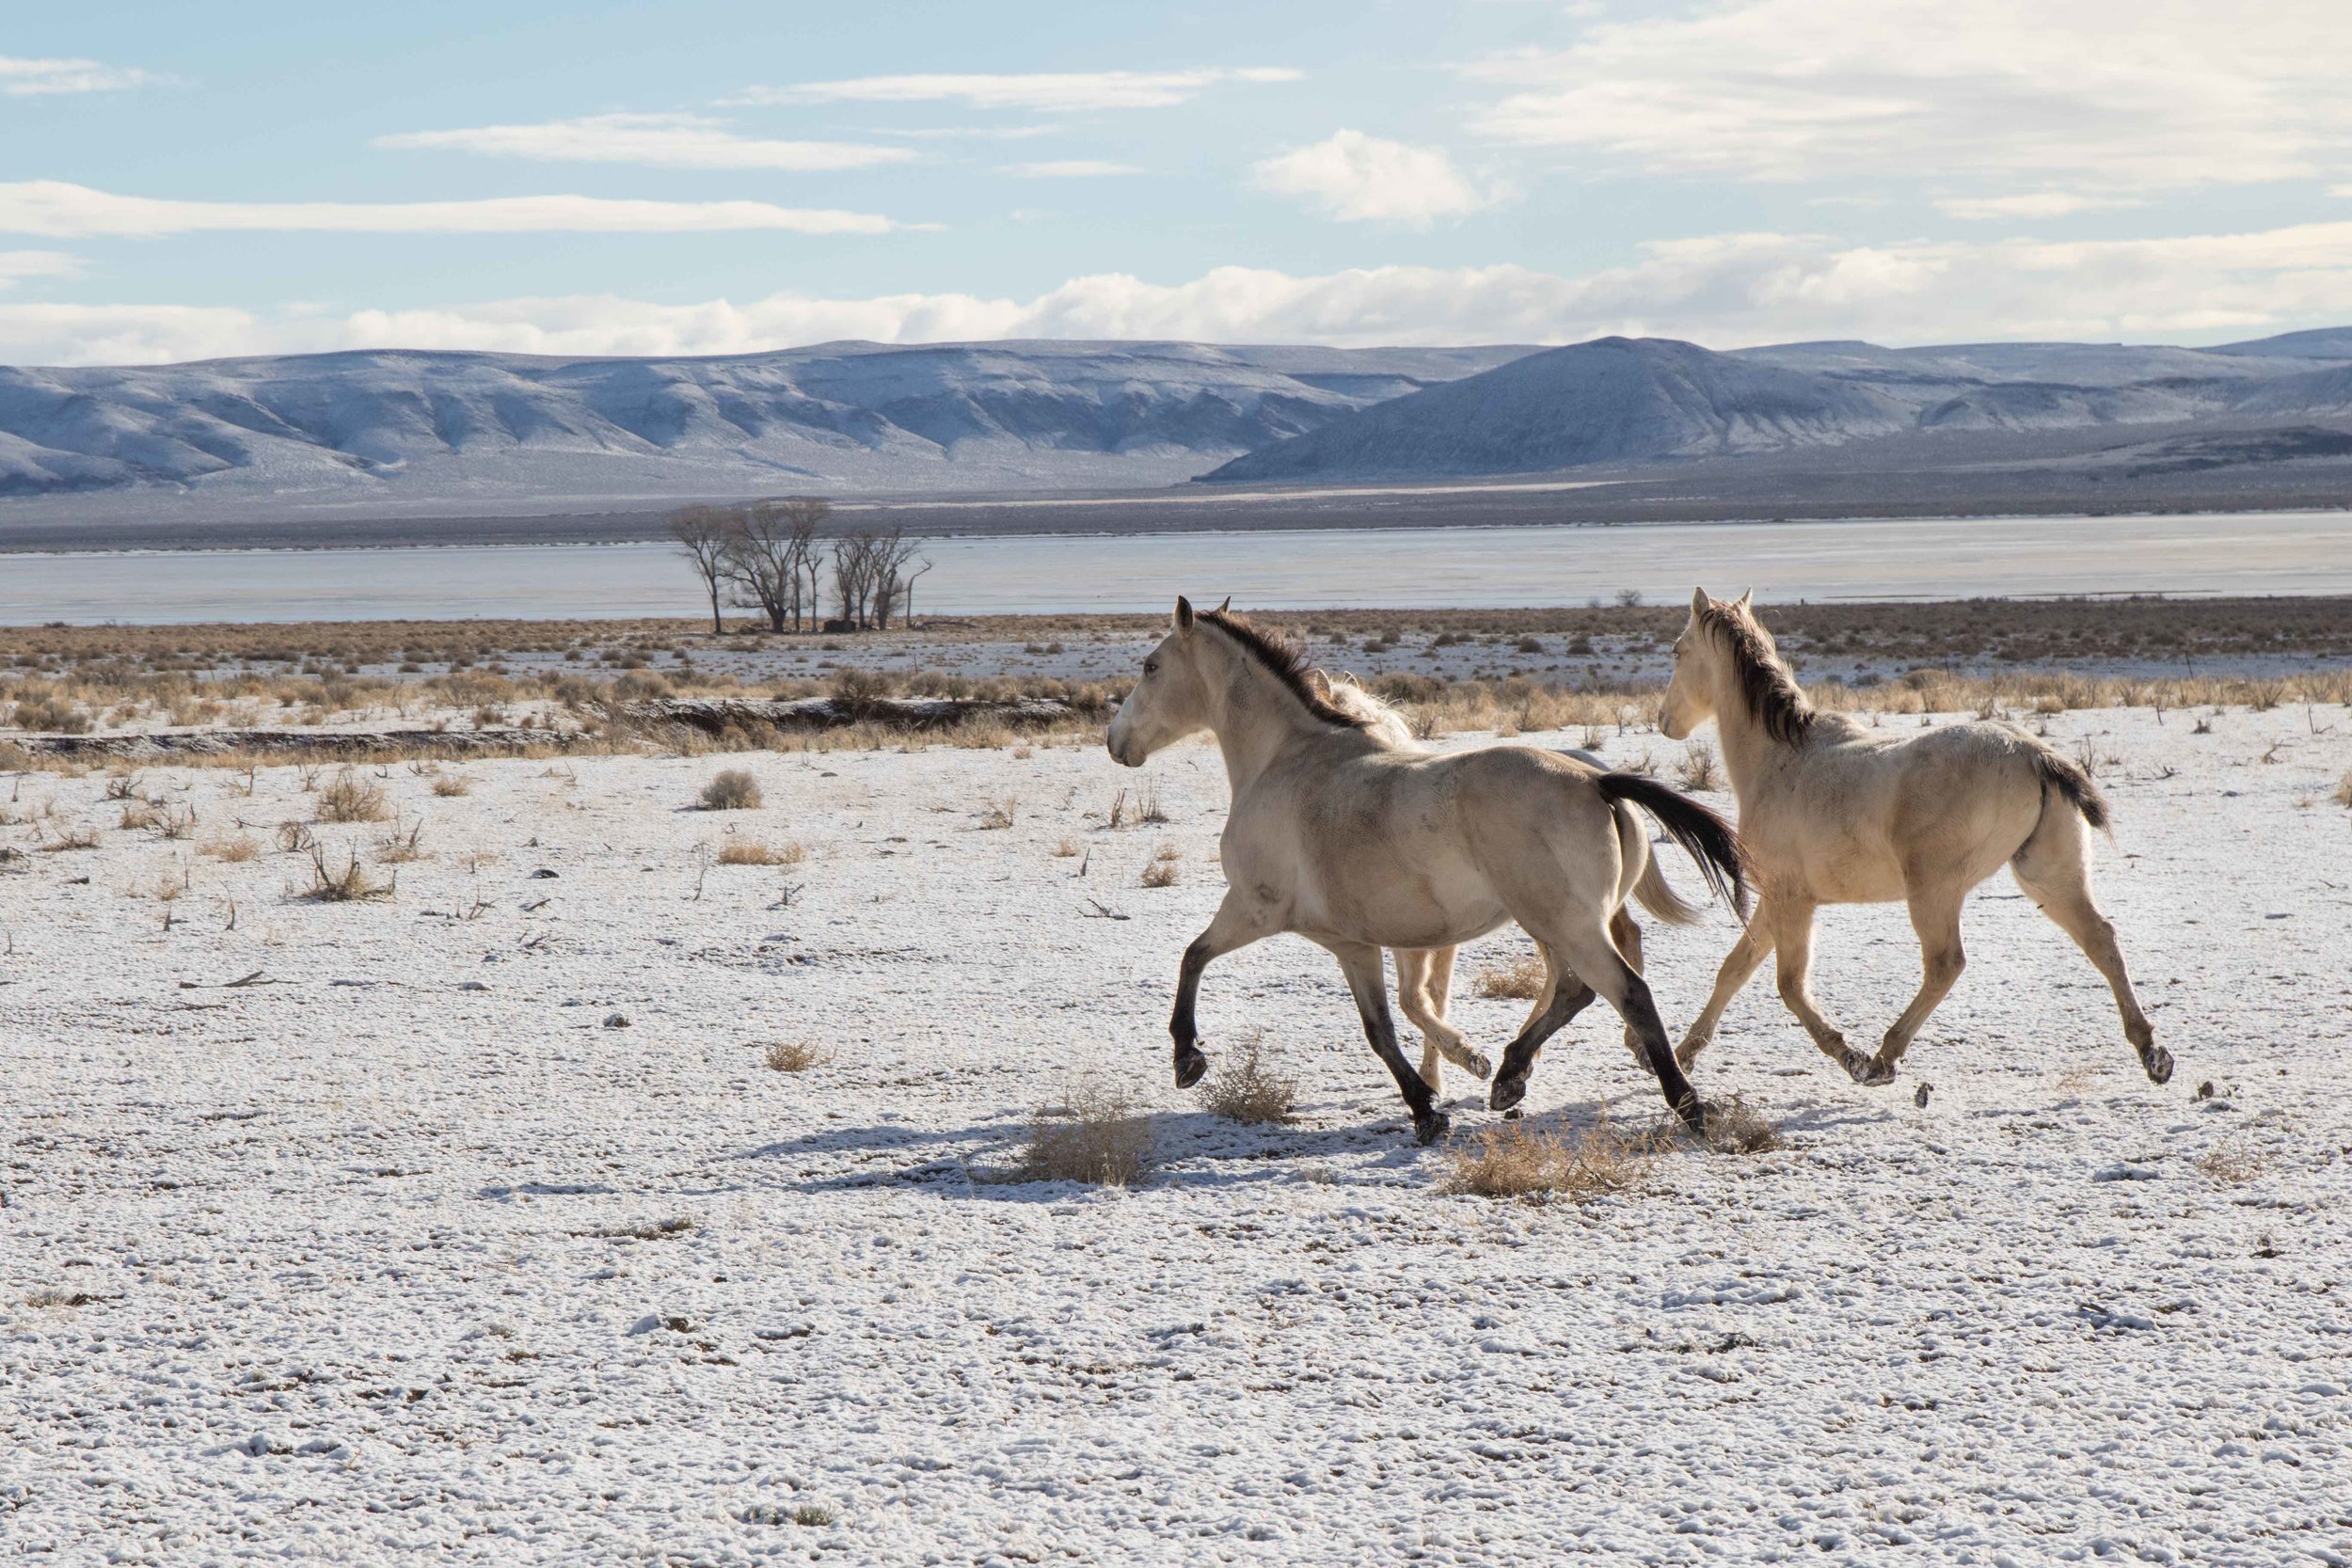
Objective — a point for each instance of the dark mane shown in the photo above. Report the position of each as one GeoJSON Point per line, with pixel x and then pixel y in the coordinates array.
{"type": "Point", "coordinates": [1774, 700]}
{"type": "Point", "coordinates": [1284, 656]}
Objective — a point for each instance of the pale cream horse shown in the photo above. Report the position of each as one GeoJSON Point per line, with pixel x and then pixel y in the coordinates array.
{"type": "Point", "coordinates": [1424, 977]}
{"type": "Point", "coordinates": [1833, 812]}
{"type": "Point", "coordinates": [1356, 846]}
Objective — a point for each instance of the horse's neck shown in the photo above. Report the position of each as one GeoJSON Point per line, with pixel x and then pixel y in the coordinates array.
{"type": "Point", "coordinates": [1749, 749]}
{"type": "Point", "coordinates": [1258, 720]}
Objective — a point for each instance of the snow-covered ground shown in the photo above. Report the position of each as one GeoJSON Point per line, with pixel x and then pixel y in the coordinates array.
{"type": "Point", "coordinates": [353, 1280]}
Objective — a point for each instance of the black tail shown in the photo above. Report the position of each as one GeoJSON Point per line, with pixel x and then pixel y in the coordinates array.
{"type": "Point", "coordinates": [2072, 780]}
{"type": "Point", "coordinates": [1709, 840]}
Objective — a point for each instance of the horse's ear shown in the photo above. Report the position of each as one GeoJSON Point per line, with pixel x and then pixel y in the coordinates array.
{"type": "Point", "coordinates": [1226, 606]}
{"type": "Point", "coordinates": [1320, 684]}
{"type": "Point", "coordinates": [1699, 601]}
{"type": "Point", "coordinates": [1183, 614]}
{"type": "Point", "coordinates": [1746, 600]}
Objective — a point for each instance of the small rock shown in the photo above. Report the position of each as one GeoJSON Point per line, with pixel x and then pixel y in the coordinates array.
{"type": "Point", "coordinates": [1919, 1097]}
{"type": "Point", "coordinates": [616, 1020]}
{"type": "Point", "coordinates": [472, 985]}
{"type": "Point", "coordinates": [543, 875]}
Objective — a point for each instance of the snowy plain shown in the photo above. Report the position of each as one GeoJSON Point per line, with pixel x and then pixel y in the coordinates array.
{"type": "Point", "coordinates": [340, 1267]}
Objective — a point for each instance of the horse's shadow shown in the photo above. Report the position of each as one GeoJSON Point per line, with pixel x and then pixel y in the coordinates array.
{"type": "Point", "coordinates": [981, 1159]}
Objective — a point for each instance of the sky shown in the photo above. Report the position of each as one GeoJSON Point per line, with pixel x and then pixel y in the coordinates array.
{"type": "Point", "coordinates": [701, 177]}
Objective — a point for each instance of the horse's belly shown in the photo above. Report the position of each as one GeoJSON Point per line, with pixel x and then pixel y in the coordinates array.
{"type": "Point", "coordinates": [1397, 918]}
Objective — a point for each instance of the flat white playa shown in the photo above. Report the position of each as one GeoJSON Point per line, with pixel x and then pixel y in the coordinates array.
{"type": "Point", "coordinates": [379, 1259]}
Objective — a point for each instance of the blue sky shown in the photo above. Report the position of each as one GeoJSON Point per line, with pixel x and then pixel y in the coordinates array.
{"type": "Point", "coordinates": [181, 182]}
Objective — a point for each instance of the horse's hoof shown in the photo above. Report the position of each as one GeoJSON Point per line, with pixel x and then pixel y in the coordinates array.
{"type": "Point", "coordinates": [1478, 1067]}
{"type": "Point", "coordinates": [2158, 1061]}
{"type": "Point", "coordinates": [1871, 1070]}
{"type": "Point", "coordinates": [1190, 1065]}
{"type": "Point", "coordinates": [1429, 1126]}
{"type": "Point", "coordinates": [1506, 1093]}
{"type": "Point", "coordinates": [1513, 1114]}
{"type": "Point", "coordinates": [1694, 1114]}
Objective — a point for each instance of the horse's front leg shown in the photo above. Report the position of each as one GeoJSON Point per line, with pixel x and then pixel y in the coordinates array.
{"type": "Point", "coordinates": [1793, 942]}
{"type": "Point", "coordinates": [1424, 978]}
{"type": "Point", "coordinates": [1361, 963]}
{"type": "Point", "coordinates": [1238, 922]}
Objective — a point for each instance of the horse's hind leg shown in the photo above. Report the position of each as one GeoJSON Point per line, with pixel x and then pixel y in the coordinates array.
{"type": "Point", "coordinates": [1792, 939]}
{"type": "Point", "coordinates": [1935, 915]}
{"type": "Point", "coordinates": [2055, 874]}
{"type": "Point", "coordinates": [1565, 996]}
{"type": "Point", "coordinates": [1597, 964]}
{"type": "Point", "coordinates": [1361, 963]}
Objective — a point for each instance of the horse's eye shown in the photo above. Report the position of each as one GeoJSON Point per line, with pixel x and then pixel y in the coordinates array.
{"type": "Point", "coordinates": [1151, 666]}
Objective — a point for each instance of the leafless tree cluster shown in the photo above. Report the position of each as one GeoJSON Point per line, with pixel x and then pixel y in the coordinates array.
{"type": "Point", "coordinates": [777, 556]}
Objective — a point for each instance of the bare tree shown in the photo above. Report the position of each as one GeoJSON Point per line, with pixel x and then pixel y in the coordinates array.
{"type": "Point", "coordinates": [906, 613]}
{"type": "Point", "coordinates": [702, 534]}
{"type": "Point", "coordinates": [854, 573]}
{"type": "Point", "coordinates": [890, 553]}
{"type": "Point", "coordinates": [769, 546]}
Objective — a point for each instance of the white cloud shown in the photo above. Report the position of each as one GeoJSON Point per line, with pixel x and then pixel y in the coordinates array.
{"type": "Point", "coordinates": [663, 141]}
{"type": "Point", "coordinates": [1067, 169]}
{"type": "Point", "coordinates": [2031, 204]}
{"type": "Point", "coordinates": [1046, 92]}
{"type": "Point", "coordinates": [1724, 291]}
{"type": "Point", "coordinates": [1355, 178]}
{"type": "Point", "coordinates": [16, 265]}
{"type": "Point", "coordinates": [2138, 94]}
{"type": "Point", "coordinates": [32, 78]}
{"type": "Point", "coordinates": [56, 210]}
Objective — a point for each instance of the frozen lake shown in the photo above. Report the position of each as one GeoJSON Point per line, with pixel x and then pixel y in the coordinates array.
{"type": "Point", "coordinates": [1436, 568]}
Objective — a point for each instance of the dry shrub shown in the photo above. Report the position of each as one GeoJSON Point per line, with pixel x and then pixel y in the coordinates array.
{"type": "Point", "coordinates": [450, 784]}
{"type": "Point", "coordinates": [74, 838]}
{"type": "Point", "coordinates": [398, 848]}
{"type": "Point", "coordinates": [794, 1055]}
{"type": "Point", "coordinates": [1066, 849]}
{"type": "Point", "coordinates": [1735, 1127]}
{"type": "Point", "coordinates": [1247, 1092]}
{"type": "Point", "coordinates": [1513, 1160]}
{"type": "Point", "coordinates": [1000, 813]}
{"type": "Point", "coordinates": [753, 851]}
{"type": "Point", "coordinates": [646, 1231]}
{"type": "Point", "coordinates": [1099, 1137]}
{"type": "Point", "coordinates": [351, 884]}
{"type": "Point", "coordinates": [1698, 770]}
{"type": "Point", "coordinates": [2343, 790]}
{"type": "Point", "coordinates": [1521, 980]}
{"type": "Point", "coordinates": [138, 816]}
{"type": "Point", "coordinates": [1160, 873]}
{"type": "Point", "coordinates": [731, 789]}
{"type": "Point", "coordinates": [349, 798]}
{"type": "Point", "coordinates": [239, 848]}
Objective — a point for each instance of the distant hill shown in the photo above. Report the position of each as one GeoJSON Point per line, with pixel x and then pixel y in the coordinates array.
{"type": "Point", "coordinates": [840, 418]}
{"type": "Point", "coordinates": [1622, 401]}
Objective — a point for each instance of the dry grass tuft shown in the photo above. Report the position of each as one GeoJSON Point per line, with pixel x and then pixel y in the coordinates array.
{"type": "Point", "coordinates": [1512, 1161]}
{"type": "Point", "coordinates": [1698, 770]}
{"type": "Point", "coordinates": [794, 1055]}
{"type": "Point", "coordinates": [2343, 790]}
{"type": "Point", "coordinates": [1159, 873]}
{"type": "Point", "coordinates": [398, 848]}
{"type": "Point", "coordinates": [1099, 1137]}
{"type": "Point", "coordinates": [1247, 1092]}
{"type": "Point", "coordinates": [1735, 1127]}
{"type": "Point", "coordinates": [1520, 980]}
{"type": "Point", "coordinates": [753, 851]}
{"type": "Point", "coordinates": [1000, 813]}
{"type": "Point", "coordinates": [731, 789]}
{"type": "Point", "coordinates": [2234, 1162]}
{"type": "Point", "coordinates": [646, 1231]}
{"type": "Point", "coordinates": [72, 838]}
{"type": "Point", "coordinates": [239, 848]}
{"type": "Point", "coordinates": [349, 798]}
{"type": "Point", "coordinates": [1066, 849]}
{"type": "Point", "coordinates": [450, 784]}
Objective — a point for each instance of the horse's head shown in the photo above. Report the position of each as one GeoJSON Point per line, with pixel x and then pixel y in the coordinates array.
{"type": "Point", "coordinates": [1170, 702]}
{"type": "Point", "coordinates": [1691, 695]}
